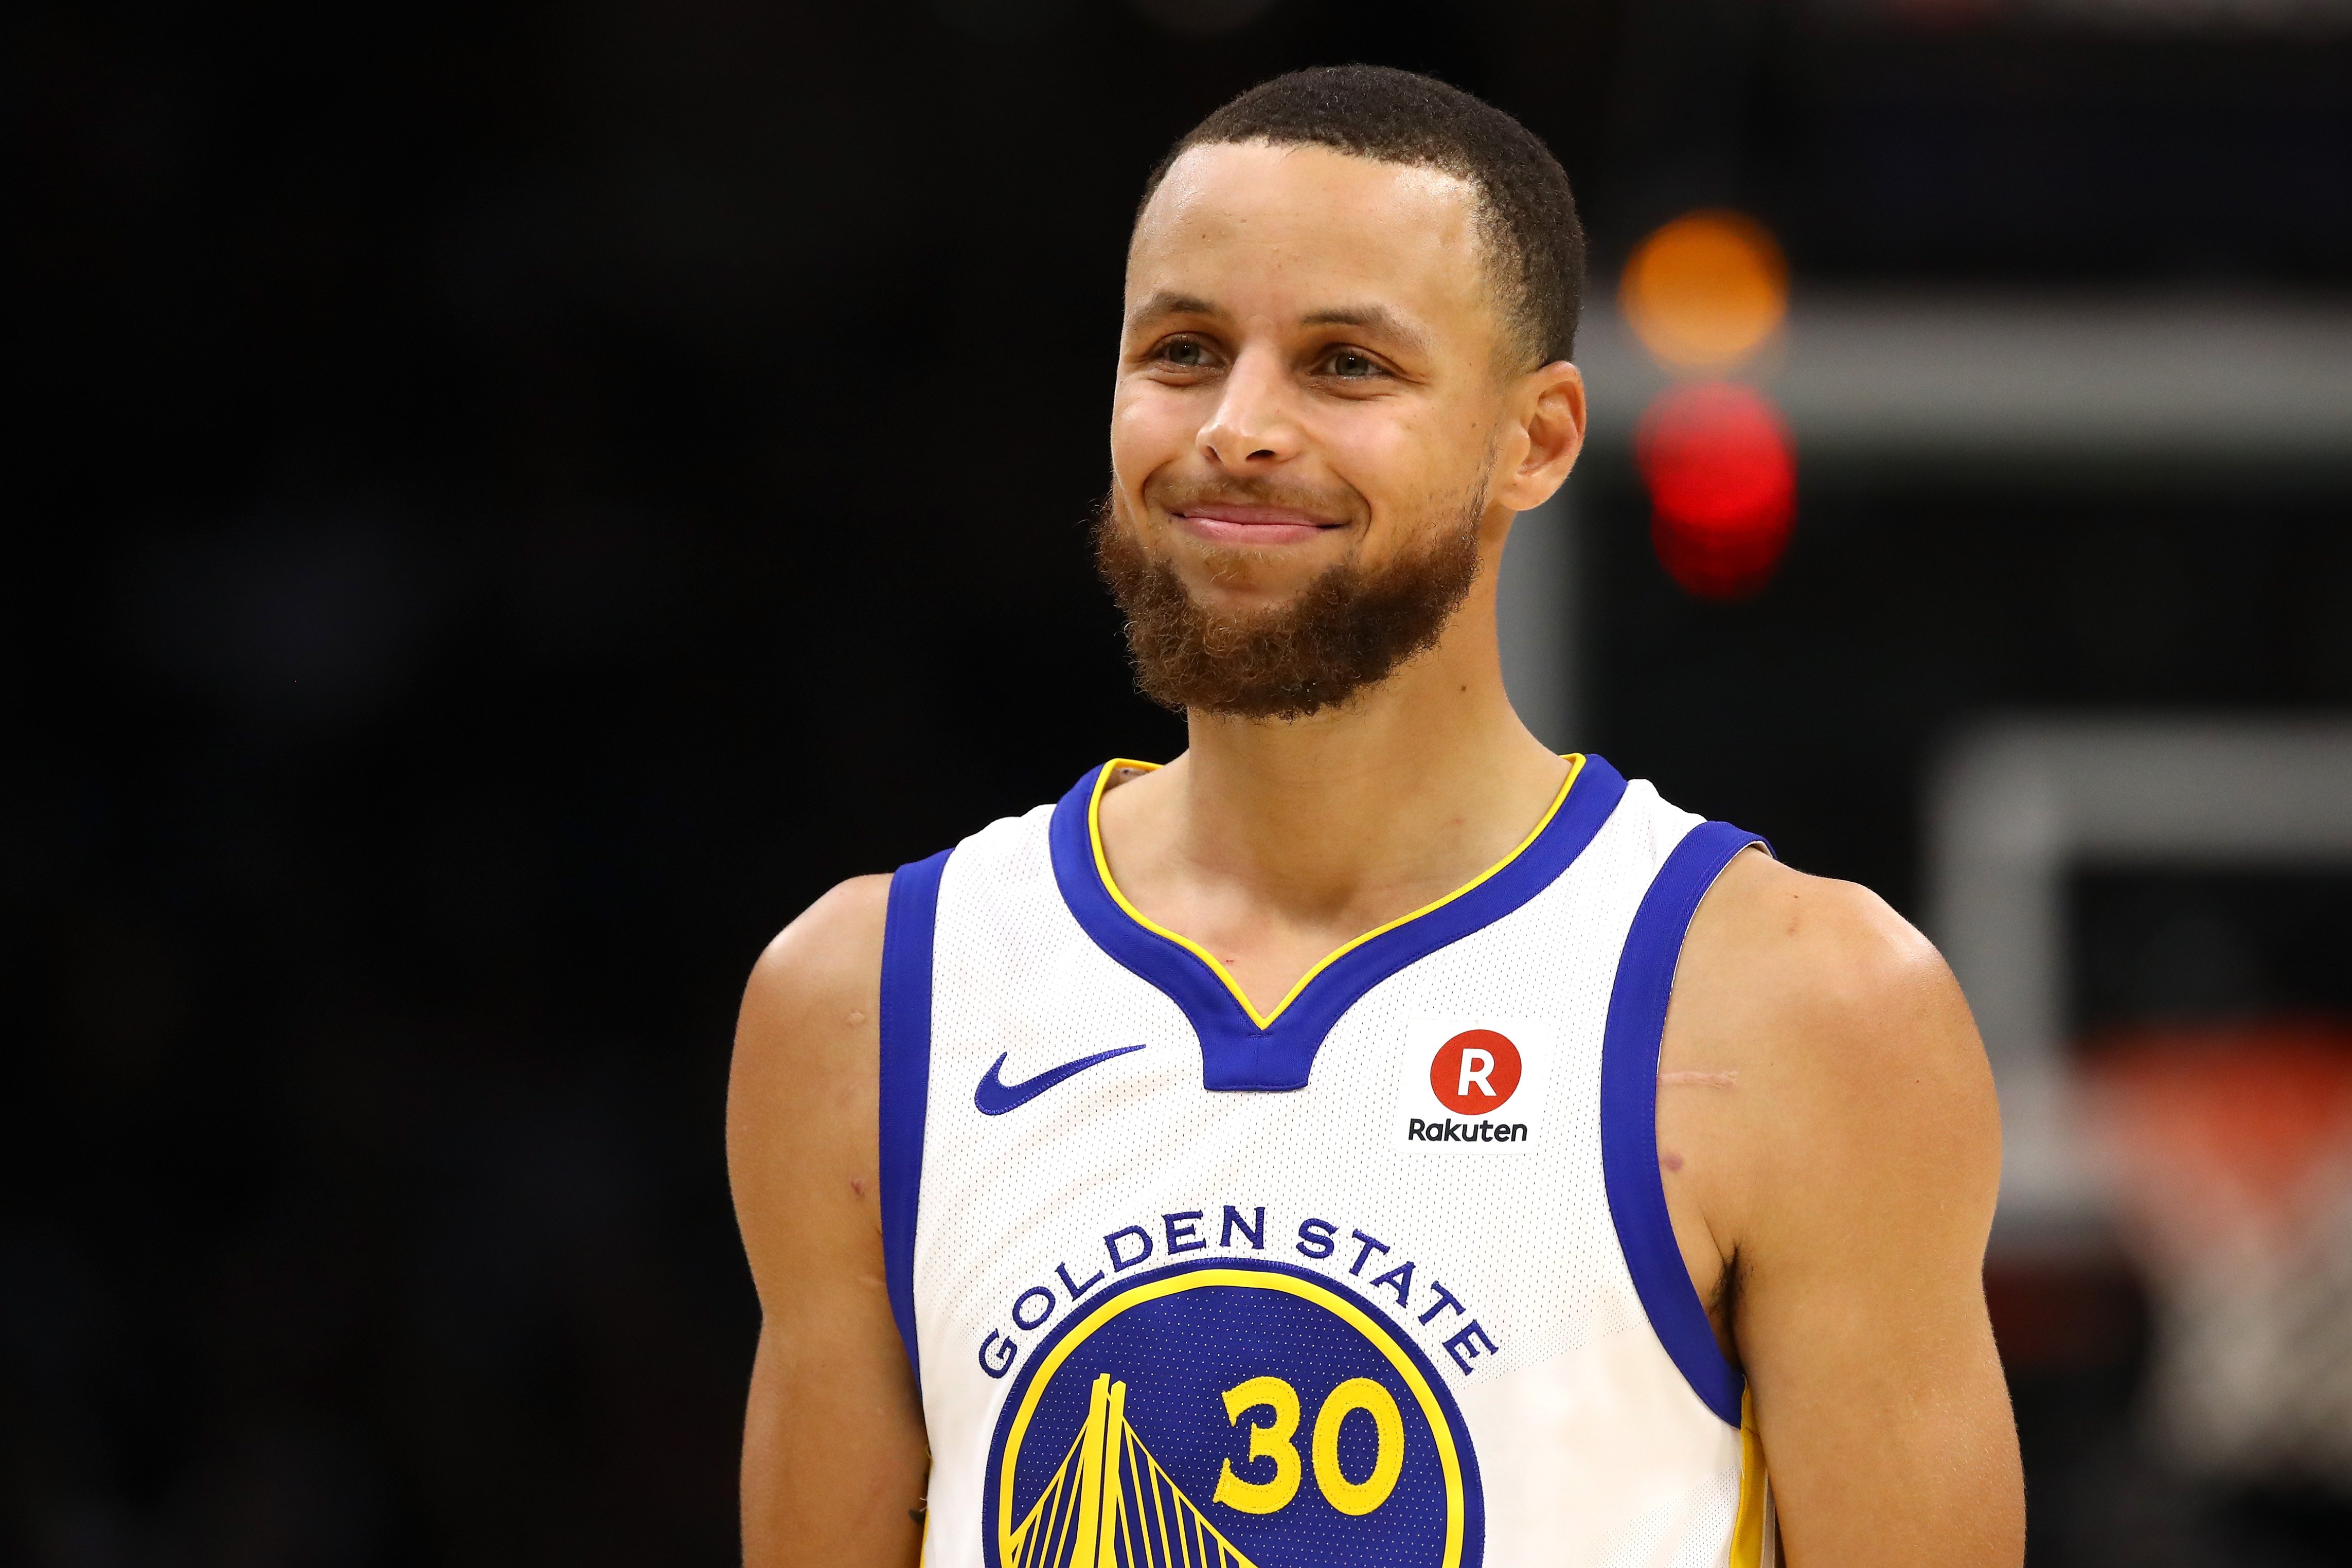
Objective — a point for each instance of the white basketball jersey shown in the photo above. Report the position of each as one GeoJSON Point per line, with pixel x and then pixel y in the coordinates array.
{"type": "Point", "coordinates": [1384, 1277]}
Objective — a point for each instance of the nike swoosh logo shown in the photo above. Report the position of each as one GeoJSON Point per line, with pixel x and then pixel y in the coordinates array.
{"type": "Point", "coordinates": [994, 1097]}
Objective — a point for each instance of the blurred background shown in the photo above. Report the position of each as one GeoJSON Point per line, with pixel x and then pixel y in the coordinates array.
{"type": "Point", "coordinates": [514, 501]}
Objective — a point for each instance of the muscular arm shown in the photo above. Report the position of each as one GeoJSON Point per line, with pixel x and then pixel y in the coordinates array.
{"type": "Point", "coordinates": [833, 1455]}
{"type": "Point", "coordinates": [1831, 1152]}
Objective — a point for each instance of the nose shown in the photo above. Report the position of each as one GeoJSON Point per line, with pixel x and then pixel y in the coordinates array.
{"type": "Point", "coordinates": [1253, 426]}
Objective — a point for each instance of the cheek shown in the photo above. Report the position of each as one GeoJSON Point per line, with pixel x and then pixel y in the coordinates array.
{"type": "Point", "coordinates": [1150, 426]}
{"type": "Point", "coordinates": [1403, 461]}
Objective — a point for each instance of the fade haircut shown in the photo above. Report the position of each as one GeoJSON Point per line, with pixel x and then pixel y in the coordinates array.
{"type": "Point", "coordinates": [1527, 214]}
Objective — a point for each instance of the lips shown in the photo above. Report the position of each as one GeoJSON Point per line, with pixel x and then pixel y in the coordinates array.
{"type": "Point", "coordinates": [1232, 524]}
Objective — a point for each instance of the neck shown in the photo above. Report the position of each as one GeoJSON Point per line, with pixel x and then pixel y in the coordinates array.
{"type": "Point", "coordinates": [1340, 822]}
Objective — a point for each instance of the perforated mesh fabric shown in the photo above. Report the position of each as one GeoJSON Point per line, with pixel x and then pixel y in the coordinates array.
{"type": "Point", "coordinates": [1519, 1236]}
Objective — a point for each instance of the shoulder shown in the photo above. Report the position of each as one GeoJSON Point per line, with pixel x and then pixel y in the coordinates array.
{"type": "Point", "coordinates": [830, 956]}
{"type": "Point", "coordinates": [1778, 945]}
{"type": "Point", "coordinates": [1857, 1075]}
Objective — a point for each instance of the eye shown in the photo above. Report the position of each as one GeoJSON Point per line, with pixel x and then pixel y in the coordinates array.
{"type": "Point", "coordinates": [1349, 365]}
{"type": "Point", "coordinates": [1184, 354]}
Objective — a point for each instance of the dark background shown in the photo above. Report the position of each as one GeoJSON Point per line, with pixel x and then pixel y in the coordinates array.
{"type": "Point", "coordinates": [509, 502]}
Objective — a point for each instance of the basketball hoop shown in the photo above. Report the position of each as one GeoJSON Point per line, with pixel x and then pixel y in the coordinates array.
{"type": "Point", "coordinates": [2229, 1152]}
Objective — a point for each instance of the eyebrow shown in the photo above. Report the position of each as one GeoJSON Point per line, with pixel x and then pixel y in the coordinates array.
{"type": "Point", "coordinates": [1168, 303]}
{"type": "Point", "coordinates": [1377, 319]}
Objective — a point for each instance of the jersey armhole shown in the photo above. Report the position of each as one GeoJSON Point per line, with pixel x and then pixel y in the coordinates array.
{"type": "Point", "coordinates": [908, 932]}
{"type": "Point", "coordinates": [1629, 1112]}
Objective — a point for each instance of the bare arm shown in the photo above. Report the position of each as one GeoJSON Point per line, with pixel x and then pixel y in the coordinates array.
{"type": "Point", "coordinates": [833, 1455]}
{"type": "Point", "coordinates": [1831, 1152]}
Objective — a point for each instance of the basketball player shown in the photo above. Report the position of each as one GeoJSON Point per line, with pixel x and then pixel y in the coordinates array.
{"type": "Point", "coordinates": [1369, 1138]}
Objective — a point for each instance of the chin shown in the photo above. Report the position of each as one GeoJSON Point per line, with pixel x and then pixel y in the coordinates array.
{"type": "Point", "coordinates": [1244, 582]}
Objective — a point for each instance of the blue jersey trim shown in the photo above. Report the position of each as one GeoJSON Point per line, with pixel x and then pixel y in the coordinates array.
{"type": "Point", "coordinates": [908, 937]}
{"type": "Point", "coordinates": [1629, 1112]}
{"type": "Point", "coordinates": [1236, 1053]}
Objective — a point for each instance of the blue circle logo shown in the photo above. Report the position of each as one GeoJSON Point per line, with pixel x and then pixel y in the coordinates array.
{"type": "Point", "coordinates": [1233, 1414]}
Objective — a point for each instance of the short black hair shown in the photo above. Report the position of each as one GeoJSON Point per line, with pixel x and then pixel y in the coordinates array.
{"type": "Point", "coordinates": [1534, 242]}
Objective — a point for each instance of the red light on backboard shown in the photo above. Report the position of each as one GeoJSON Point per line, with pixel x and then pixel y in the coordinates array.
{"type": "Point", "coordinates": [1722, 477]}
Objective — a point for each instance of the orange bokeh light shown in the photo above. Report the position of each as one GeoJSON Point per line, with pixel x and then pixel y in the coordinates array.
{"type": "Point", "coordinates": [1705, 291]}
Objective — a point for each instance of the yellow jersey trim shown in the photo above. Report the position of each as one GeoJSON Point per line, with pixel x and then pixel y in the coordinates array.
{"type": "Point", "coordinates": [1749, 1524]}
{"type": "Point", "coordinates": [1575, 761]}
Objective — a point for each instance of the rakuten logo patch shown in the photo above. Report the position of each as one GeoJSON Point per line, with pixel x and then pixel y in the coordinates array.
{"type": "Point", "coordinates": [1458, 1076]}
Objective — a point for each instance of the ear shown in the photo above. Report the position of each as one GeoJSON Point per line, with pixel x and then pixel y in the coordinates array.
{"type": "Point", "coordinates": [1548, 406]}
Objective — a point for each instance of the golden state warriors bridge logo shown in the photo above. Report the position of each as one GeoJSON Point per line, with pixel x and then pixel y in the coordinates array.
{"type": "Point", "coordinates": [1231, 1415]}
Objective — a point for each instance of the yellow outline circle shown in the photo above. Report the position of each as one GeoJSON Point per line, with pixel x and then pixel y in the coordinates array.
{"type": "Point", "coordinates": [1252, 1279]}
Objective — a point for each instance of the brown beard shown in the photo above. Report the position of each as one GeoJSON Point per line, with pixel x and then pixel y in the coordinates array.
{"type": "Point", "coordinates": [1347, 630]}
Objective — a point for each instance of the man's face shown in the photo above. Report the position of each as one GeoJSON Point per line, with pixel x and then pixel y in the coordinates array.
{"type": "Point", "coordinates": [1309, 389]}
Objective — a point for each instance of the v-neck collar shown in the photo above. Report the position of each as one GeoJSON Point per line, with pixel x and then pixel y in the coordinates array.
{"type": "Point", "coordinates": [1242, 1049]}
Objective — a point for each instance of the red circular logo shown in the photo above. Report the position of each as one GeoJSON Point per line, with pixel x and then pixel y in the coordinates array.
{"type": "Point", "coordinates": [1474, 1072]}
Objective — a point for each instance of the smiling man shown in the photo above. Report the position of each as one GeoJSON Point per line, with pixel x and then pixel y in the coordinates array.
{"type": "Point", "coordinates": [1370, 1136]}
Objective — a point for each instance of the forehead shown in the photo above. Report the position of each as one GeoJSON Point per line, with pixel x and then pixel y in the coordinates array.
{"type": "Point", "coordinates": [1289, 230]}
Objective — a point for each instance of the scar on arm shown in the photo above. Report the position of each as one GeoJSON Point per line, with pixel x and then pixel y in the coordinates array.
{"type": "Point", "coordinates": [1703, 1079]}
